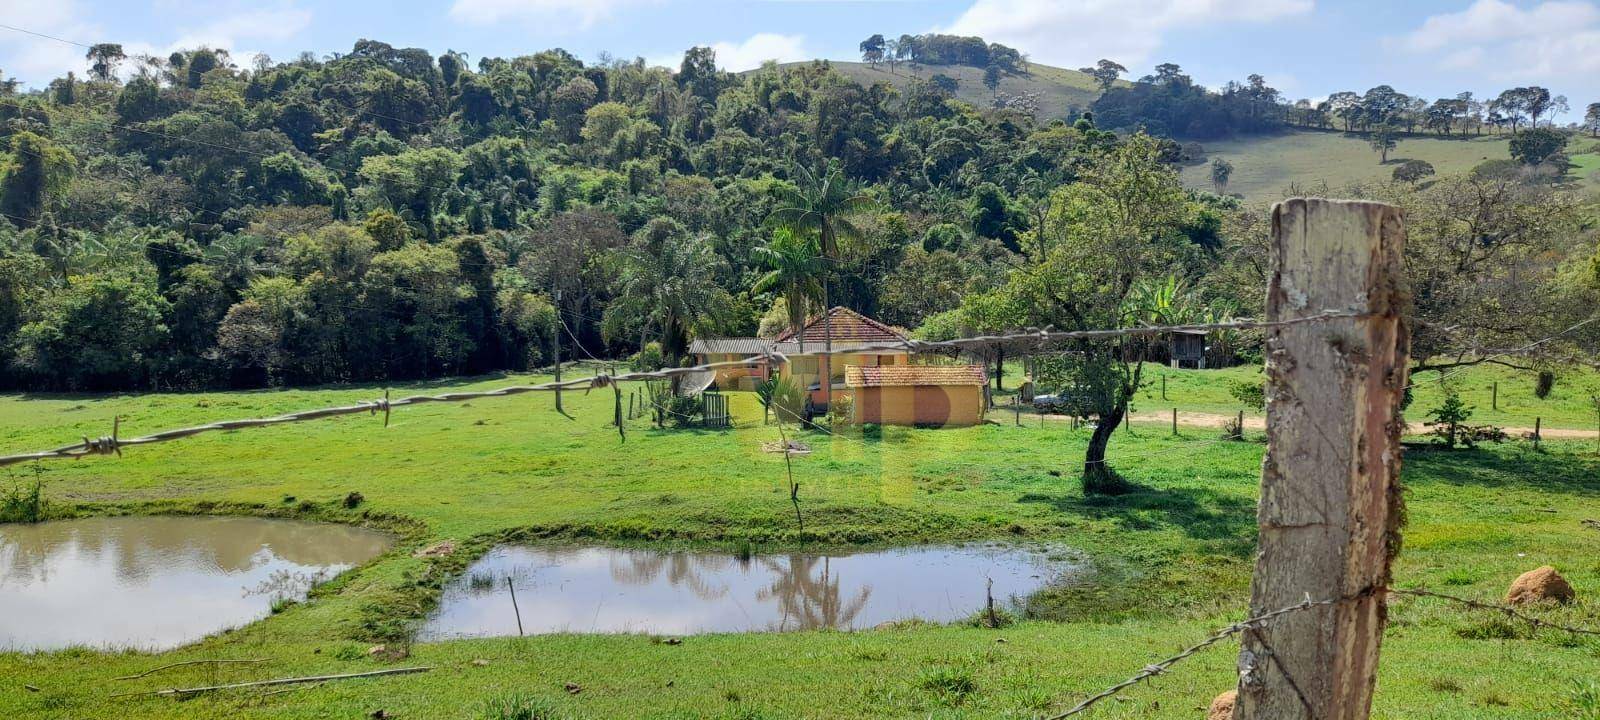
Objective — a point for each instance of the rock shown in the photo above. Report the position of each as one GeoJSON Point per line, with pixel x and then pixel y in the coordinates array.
{"type": "Point", "coordinates": [438, 549]}
{"type": "Point", "coordinates": [1539, 585]}
{"type": "Point", "coordinates": [1222, 706]}
{"type": "Point", "coordinates": [480, 662]}
{"type": "Point", "coordinates": [377, 650]}
{"type": "Point", "coordinates": [573, 688]}
{"type": "Point", "coordinates": [378, 714]}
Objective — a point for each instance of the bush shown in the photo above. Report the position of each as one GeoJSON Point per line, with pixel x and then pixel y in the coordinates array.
{"type": "Point", "coordinates": [1447, 419]}
{"type": "Point", "coordinates": [650, 358]}
{"type": "Point", "coordinates": [841, 410]}
{"type": "Point", "coordinates": [1251, 395]}
{"type": "Point", "coordinates": [22, 504]}
{"type": "Point", "coordinates": [1413, 170]}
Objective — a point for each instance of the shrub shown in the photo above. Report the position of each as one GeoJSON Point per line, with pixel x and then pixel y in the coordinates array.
{"type": "Point", "coordinates": [1413, 170]}
{"type": "Point", "coordinates": [841, 410]}
{"type": "Point", "coordinates": [650, 358]}
{"type": "Point", "coordinates": [22, 504]}
{"type": "Point", "coordinates": [1447, 419]}
{"type": "Point", "coordinates": [1251, 395]}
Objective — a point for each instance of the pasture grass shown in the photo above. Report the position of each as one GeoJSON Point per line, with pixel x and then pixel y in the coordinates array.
{"type": "Point", "coordinates": [1061, 91]}
{"type": "Point", "coordinates": [1266, 166]}
{"type": "Point", "coordinates": [1172, 561]}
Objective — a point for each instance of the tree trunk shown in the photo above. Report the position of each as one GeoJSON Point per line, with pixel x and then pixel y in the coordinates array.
{"type": "Point", "coordinates": [1098, 477]}
{"type": "Point", "coordinates": [825, 367]}
{"type": "Point", "coordinates": [999, 368]}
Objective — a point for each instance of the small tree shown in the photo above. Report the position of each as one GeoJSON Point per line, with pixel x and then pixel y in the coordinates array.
{"type": "Point", "coordinates": [991, 80]}
{"type": "Point", "coordinates": [872, 49]}
{"type": "Point", "coordinates": [1221, 171]}
{"type": "Point", "coordinates": [1384, 139]}
{"type": "Point", "coordinates": [1105, 73]}
{"type": "Point", "coordinates": [1449, 418]}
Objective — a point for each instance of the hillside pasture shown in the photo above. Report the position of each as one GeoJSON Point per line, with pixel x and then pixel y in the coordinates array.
{"type": "Point", "coordinates": [1061, 90]}
{"type": "Point", "coordinates": [1266, 167]}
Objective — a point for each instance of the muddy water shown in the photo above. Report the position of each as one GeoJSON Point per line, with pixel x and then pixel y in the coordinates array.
{"type": "Point", "coordinates": [159, 582]}
{"type": "Point", "coordinates": [608, 590]}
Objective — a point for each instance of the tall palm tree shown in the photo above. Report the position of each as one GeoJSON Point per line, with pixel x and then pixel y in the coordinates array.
{"type": "Point", "coordinates": [670, 283]}
{"type": "Point", "coordinates": [827, 205]}
{"type": "Point", "coordinates": [796, 273]}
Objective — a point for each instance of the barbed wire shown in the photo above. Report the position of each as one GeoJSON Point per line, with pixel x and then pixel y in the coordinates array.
{"type": "Point", "coordinates": [1536, 622]}
{"type": "Point", "coordinates": [1160, 667]}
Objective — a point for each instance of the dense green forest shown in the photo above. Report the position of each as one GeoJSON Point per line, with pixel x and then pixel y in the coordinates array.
{"type": "Point", "coordinates": [384, 214]}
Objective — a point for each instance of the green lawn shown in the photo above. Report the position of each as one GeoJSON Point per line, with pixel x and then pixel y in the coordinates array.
{"type": "Point", "coordinates": [1266, 167]}
{"type": "Point", "coordinates": [1173, 559]}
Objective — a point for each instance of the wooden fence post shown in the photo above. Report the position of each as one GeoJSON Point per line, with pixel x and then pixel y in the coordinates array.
{"type": "Point", "coordinates": [1174, 422]}
{"type": "Point", "coordinates": [1494, 396]}
{"type": "Point", "coordinates": [1536, 430]}
{"type": "Point", "coordinates": [1330, 502]}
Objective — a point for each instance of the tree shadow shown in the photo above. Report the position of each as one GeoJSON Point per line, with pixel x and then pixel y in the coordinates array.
{"type": "Point", "coordinates": [1200, 513]}
{"type": "Point", "coordinates": [1503, 467]}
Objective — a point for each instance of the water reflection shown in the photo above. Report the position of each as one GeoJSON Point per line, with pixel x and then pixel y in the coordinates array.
{"type": "Point", "coordinates": [617, 590]}
{"type": "Point", "coordinates": [159, 582]}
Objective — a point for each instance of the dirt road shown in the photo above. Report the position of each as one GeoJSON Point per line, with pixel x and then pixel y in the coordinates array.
{"type": "Point", "coordinates": [1212, 420]}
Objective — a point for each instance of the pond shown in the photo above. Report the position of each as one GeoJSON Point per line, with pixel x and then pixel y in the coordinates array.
{"type": "Point", "coordinates": [154, 583]}
{"type": "Point", "coordinates": [610, 590]}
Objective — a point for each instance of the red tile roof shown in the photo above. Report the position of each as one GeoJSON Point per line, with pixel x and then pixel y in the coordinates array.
{"type": "Point", "coordinates": [913, 375]}
{"type": "Point", "coordinates": [848, 326]}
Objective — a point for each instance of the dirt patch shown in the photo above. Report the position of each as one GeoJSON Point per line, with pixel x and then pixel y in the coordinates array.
{"type": "Point", "coordinates": [438, 549]}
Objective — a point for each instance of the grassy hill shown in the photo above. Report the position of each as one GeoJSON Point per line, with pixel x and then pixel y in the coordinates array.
{"type": "Point", "coordinates": [1060, 89]}
{"type": "Point", "coordinates": [1265, 167]}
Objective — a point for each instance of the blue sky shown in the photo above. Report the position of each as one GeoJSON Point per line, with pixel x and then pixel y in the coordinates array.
{"type": "Point", "coordinates": [1307, 48]}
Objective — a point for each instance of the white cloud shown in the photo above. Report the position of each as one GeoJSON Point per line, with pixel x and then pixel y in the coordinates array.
{"type": "Point", "coordinates": [36, 60]}
{"type": "Point", "coordinates": [583, 14]}
{"type": "Point", "coordinates": [1505, 42]}
{"type": "Point", "coordinates": [748, 55]}
{"type": "Point", "coordinates": [1128, 31]}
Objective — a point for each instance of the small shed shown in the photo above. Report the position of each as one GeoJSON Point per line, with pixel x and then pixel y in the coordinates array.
{"type": "Point", "coordinates": [1187, 349]}
{"type": "Point", "coordinates": [943, 395]}
{"type": "Point", "coordinates": [743, 377]}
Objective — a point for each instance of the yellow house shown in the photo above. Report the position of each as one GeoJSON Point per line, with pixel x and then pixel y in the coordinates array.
{"type": "Point", "coordinates": [943, 395]}
{"type": "Point", "coordinates": [850, 329]}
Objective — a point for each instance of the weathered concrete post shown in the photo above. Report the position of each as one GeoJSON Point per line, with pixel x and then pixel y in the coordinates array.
{"type": "Point", "coordinates": [1330, 503]}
